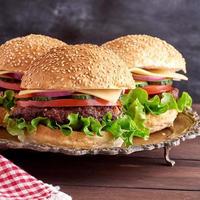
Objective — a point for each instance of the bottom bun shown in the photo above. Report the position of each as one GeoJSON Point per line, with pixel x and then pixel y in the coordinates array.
{"type": "Point", "coordinates": [76, 140]}
{"type": "Point", "coordinates": [162, 121]}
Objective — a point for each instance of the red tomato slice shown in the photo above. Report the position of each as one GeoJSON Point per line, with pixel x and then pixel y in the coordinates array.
{"type": "Point", "coordinates": [11, 86]}
{"type": "Point", "coordinates": [126, 91]}
{"type": "Point", "coordinates": [157, 89]}
{"type": "Point", "coordinates": [66, 103]}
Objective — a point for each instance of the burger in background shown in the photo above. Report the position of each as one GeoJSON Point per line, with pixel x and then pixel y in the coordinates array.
{"type": "Point", "coordinates": [153, 62]}
{"type": "Point", "coordinates": [16, 56]}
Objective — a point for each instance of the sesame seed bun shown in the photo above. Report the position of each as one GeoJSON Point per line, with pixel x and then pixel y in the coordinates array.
{"type": "Point", "coordinates": [78, 67]}
{"type": "Point", "coordinates": [148, 52]}
{"type": "Point", "coordinates": [76, 140]}
{"type": "Point", "coordinates": [162, 121]}
{"type": "Point", "coordinates": [18, 54]}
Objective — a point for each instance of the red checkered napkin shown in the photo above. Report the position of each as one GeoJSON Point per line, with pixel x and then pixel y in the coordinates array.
{"type": "Point", "coordinates": [16, 184]}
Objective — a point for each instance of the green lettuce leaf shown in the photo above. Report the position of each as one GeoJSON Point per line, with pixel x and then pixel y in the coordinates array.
{"type": "Point", "coordinates": [7, 100]}
{"type": "Point", "coordinates": [185, 101]}
{"type": "Point", "coordinates": [126, 129]}
{"type": "Point", "coordinates": [65, 129]}
{"type": "Point", "coordinates": [156, 105]}
{"type": "Point", "coordinates": [73, 120]}
{"type": "Point", "coordinates": [15, 127]}
{"type": "Point", "coordinates": [86, 126]}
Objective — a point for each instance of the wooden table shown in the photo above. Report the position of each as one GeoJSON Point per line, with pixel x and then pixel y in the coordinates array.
{"type": "Point", "coordinates": [142, 175]}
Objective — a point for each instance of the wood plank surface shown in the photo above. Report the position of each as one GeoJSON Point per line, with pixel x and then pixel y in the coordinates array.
{"type": "Point", "coordinates": [142, 175]}
{"type": "Point", "coordinates": [107, 171]}
{"type": "Point", "coordinates": [98, 193]}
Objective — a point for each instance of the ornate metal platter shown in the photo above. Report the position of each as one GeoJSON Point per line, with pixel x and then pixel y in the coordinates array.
{"type": "Point", "coordinates": [186, 126]}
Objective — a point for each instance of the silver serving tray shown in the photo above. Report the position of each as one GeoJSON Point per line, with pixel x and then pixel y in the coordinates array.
{"type": "Point", "coordinates": [186, 126]}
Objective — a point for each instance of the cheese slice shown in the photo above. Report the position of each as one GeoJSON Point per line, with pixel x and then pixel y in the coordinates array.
{"type": "Point", "coordinates": [108, 95]}
{"type": "Point", "coordinates": [6, 72]}
{"type": "Point", "coordinates": [23, 92]}
{"type": "Point", "coordinates": [159, 73]}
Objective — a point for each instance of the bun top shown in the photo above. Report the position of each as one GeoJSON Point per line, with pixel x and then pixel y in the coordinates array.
{"type": "Point", "coordinates": [78, 67]}
{"type": "Point", "coordinates": [148, 52]}
{"type": "Point", "coordinates": [17, 54]}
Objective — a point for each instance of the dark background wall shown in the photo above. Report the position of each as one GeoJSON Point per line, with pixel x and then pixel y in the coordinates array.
{"type": "Point", "coordinates": [96, 21]}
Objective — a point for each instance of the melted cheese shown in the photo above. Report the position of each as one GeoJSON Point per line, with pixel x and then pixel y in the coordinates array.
{"type": "Point", "coordinates": [159, 73]}
{"type": "Point", "coordinates": [108, 95]}
{"type": "Point", "coordinates": [6, 72]}
{"type": "Point", "coordinates": [23, 92]}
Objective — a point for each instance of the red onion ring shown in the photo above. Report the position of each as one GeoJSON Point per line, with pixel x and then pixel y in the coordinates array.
{"type": "Point", "coordinates": [15, 75]}
{"type": "Point", "coordinates": [46, 93]}
{"type": "Point", "coordinates": [139, 77]}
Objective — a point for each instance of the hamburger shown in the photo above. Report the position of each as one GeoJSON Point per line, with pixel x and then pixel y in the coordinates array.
{"type": "Point", "coordinates": [16, 56]}
{"type": "Point", "coordinates": [71, 99]}
{"type": "Point", "coordinates": [155, 103]}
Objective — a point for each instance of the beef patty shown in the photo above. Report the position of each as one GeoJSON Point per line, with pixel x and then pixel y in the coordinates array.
{"type": "Point", "coordinates": [59, 114]}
